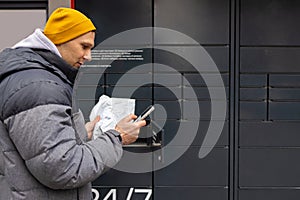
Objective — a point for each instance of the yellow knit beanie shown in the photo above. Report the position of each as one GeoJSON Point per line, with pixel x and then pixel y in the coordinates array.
{"type": "Point", "coordinates": [65, 24]}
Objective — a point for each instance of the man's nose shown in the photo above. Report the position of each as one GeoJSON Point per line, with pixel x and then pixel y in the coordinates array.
{"type": "Point", "coordinates": [88, 56]}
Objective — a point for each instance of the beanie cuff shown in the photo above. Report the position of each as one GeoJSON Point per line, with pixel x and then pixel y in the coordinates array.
{"type": "Point", "coordinates": [72, 33]}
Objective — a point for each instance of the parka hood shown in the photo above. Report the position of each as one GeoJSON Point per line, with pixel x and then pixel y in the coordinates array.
{"type": "Point", "coordinates": [35, 52]}
{"type": "Point", "coordinates": [37, 40]}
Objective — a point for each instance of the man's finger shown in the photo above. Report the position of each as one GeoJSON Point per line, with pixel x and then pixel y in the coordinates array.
{"type": "Point", "coordinates": [141, 123]}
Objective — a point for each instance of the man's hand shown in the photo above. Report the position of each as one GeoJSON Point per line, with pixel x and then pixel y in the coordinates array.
{"type": "Point", "coordinates": [90, 127]}
{"type": "Point", "coordinates": [129, 130]}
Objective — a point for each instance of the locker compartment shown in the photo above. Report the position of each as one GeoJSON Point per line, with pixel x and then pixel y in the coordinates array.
{"type": "Point", "coordinates": [273, 167]}
{"type": "Point", "coordinates": [115, 177]}
{"type": "Point", "coordinates": [253, 94]}
{"type": "Point", "coordinates": [189, 170]}
{"type": "Point", "coordinates": [285, 94]}
{"type": "Point", "coordinates": [191, 193]}
{"type": "Point", "coordinates": [253, 110]}
{"type": "Point", "coordinates": [197, 79]}
{"type": "Point", "coordinates": [168, 56]}
{"type": "Point", "coordinates": [269, 194]}
{"type": "Point", "coordinates": [253, 80]}
{"type": "Point", "coordinates": [167, 93]}
{"type": "Point", "coordinates": [128, 79]}
{"type": "Point", "coordinates": [172, 60]}
{"type": "Point", "coordinates": [167, 110]}
{"type": "Point", "coordinates": [202, 132]}
{"type": "Point", "coordinates": [284, 80]}
{"type": "Point", "coordinates": [220, 55]}
{"type": "Point", "coordinates": [125, 15]}
{"type": "Point", "coordinates": [284, 111]}
{"type": "Point", "coordinates": [138, 93]}
{"type": "Point", "coordinates": [202, 93]}
{"type": "Point", "coordinates": [269, 134]}
{"type": "Point", "coordinates": [269, 59]}
{"type": "Point", "coordinates": [190, 111]}
{"type": "Point", "coordinates": [213, 15]}
{"type": "Point", "coordinates": [171, 128]}
{"type": "Point", "coordinates": [270, 22]}
{"type": "Point", "coordinates": [168, 79]}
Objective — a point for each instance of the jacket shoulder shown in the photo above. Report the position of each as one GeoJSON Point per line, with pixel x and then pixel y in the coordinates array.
{"type": "Point", "coordinates": [30, 88]}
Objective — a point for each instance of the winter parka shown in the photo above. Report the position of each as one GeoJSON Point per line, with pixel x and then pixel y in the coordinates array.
{"type": "Point", "coordinates": [44, 150]}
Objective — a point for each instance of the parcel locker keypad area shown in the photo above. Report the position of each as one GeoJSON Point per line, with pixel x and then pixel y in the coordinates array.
{"type": "Point", "coordinates": [255, 47]}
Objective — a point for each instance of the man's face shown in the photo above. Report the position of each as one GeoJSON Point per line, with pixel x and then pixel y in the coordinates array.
{"type": "Point", "coordinates": [75, 52]}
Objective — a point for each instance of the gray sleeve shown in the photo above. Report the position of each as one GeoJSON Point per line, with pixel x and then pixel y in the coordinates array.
{"type": "Point", "coordinates": [46, 140]}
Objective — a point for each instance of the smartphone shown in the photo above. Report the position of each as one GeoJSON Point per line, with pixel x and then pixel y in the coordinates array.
{"type": "Point", "coordinates": [145, 113]}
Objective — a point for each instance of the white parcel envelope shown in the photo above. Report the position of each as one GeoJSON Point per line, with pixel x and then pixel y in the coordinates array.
{"type": "Point", "coordinates": [111, 110]}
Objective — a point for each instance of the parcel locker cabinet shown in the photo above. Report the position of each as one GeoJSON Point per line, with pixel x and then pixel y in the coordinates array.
{"type": "Point", "coordinates": [171, 89]}
{"type": "Point", "coordinates": [269, 100]}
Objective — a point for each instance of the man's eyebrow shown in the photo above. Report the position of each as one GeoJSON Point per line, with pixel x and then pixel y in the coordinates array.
{"type": "Point", "coordinates": [87, 44]}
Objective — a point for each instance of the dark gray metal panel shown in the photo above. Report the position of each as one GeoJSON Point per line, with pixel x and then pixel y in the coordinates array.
{"type": "Point", "coordinates": [284, 94]}
{"type": "Point", "coordinates": [140, 93]}
{"type": "Point", "coordinates": [190, 193]}
{"type": "Point", "coordinates": [114, 178]}
{"type": "Point", "coordinates": [270, 22]}
{"type": "Point", "coordinates": [269, 167]}
{"type": "Point", "coordinates": [119, 178]}
{"type": "Point", "coordinates": [189, 170]}
{"type": "Point", "coordinates": [253, 110]}
{"type": "Point", "coordinates": [201, 93]}
{"type": "Point", "coordinates": [168, 79]}
{"type": "Point", "coordinates": [204, 110]}
{"type": "Point", "coordinates": [160, 93]}
{"type": "Point", "coordinates": [269, 134]}
{"type": "Point", "coordinates": [113, 16]}
{"type": "Point", "coordinates": [171, 129]}
{"type": "Point", "coordinates": [270, 59]}
{"type": "Point", "coordinates": [197, 80]}
{"type": "Point", "coordinates": [204, 20]}
{"type": "Point", "coordinates": [219, 55]}
{"type": "Point", "coordinates": [284, 80]}
{"type": "Point", "coordinates": [202, 132]}
{"type": "Point", "coordinates": [172, 109]}
{"type": "Point", "coordinates": [284, 111]}
{"type": "Point", "coordinates": [269, 194]}
{"type": "Point", "coordinates": [130, 79]}
{"type": "Point", "coordinates": [253, 94]}
{"type": "Point", "coordinates": [253, 80]}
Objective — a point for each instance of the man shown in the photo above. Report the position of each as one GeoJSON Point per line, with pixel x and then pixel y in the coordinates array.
{"type": "Point", "coordinates": [46, 147]}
